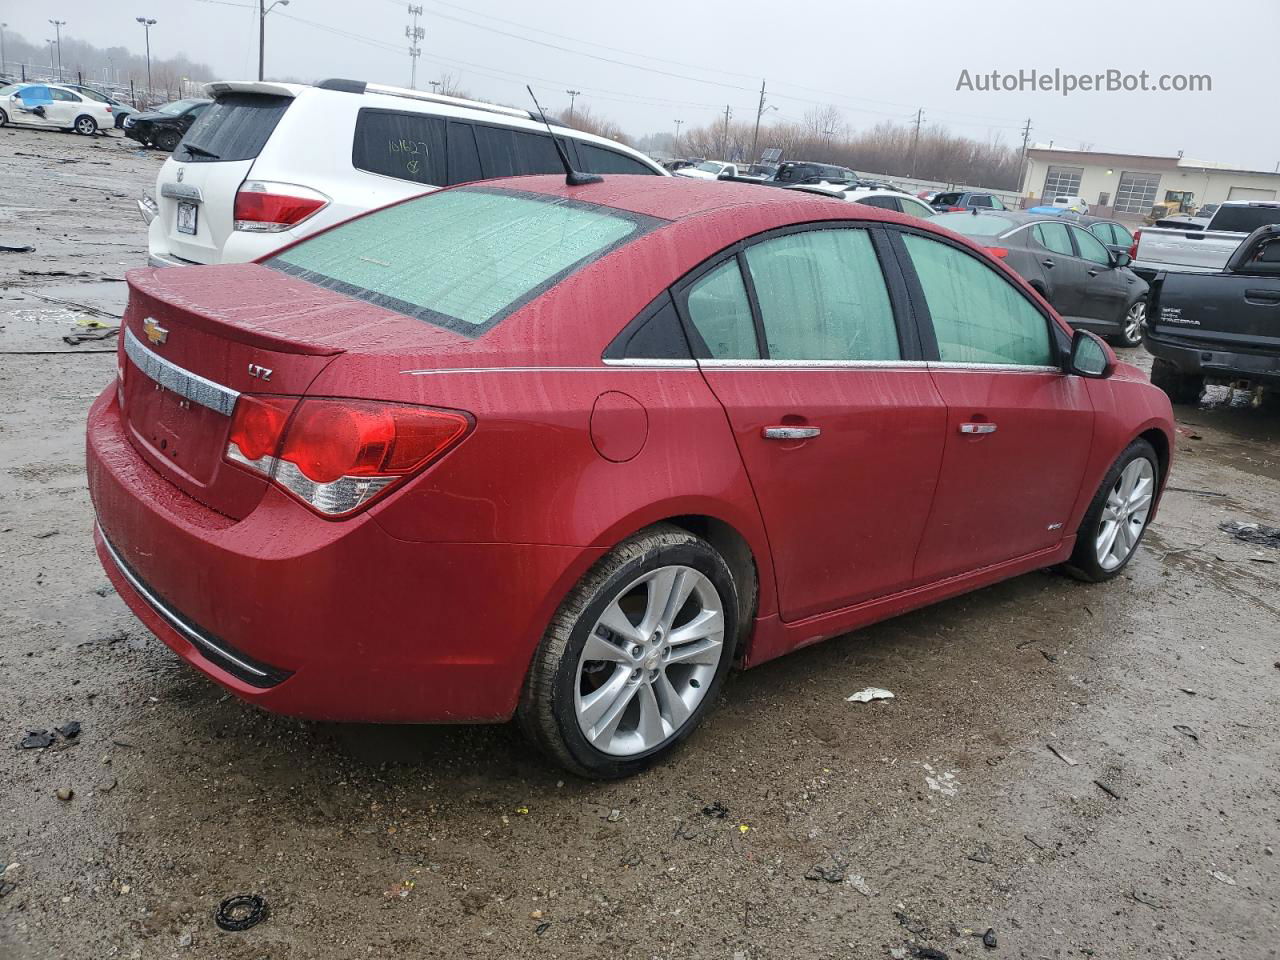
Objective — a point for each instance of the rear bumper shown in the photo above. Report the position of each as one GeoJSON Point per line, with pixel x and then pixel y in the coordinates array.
{"type": "Point", "coordinates": [1215, 363]}
{"type": "Point", "coordinates": [316, 618]}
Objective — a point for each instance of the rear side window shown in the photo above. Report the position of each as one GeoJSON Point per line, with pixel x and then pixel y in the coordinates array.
{"type": "Point", "coordinates": [1244, 219]}
{"type": "Point", "coordinates": [978, 315]}
{"type": "Point", "coordinates": [719, 310]}
{"type": "Point", "coordinates": [822, 297]}
{"type": "Point", "coordinates": [1055, 237]}
{"type": "Point", "coordinates": [599, 160]}
{"type": "Point", "coordinates": [884, 203]}
{"type": "Point", "coordinates": [236, 126]}
{"type": "Point", "coordinates": [465, 258]}
{"type": "Point", "coordinates": [513, 153]}
{"type": "Point", "coordinates": [407, 146]}
{"type": "Point", "coordinates": [464, 158]}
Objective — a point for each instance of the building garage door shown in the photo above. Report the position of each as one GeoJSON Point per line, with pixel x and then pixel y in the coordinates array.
{"type": "Point", "coordinates": [1137, 192]}
{"type": "Point", "coordinates": [1062, 182]}
{"type": "Point", "coordinates": [1250, 193]}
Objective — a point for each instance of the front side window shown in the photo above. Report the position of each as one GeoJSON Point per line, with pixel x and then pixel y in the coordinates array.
{"type": "Point", "coordinates": [719, 310]}
{"type": "Point", "coordinates": [978, 315]}
{"type": "Point", "coordinates": [1091, 247]}
{"type": "Point", "coordinates": [1121, 236]}
{"type": "Point", "coordinates": [463, 258]}
{"type": "Point", "coordinates": [1054, 237]}
{"type": "Point", "coordinates": [996, 204]}
{"type": "Point", "coordinates": [822, 296]}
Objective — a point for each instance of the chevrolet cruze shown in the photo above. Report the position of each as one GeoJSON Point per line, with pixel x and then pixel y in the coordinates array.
{"type": "Point", "coordinates": [568, 452]}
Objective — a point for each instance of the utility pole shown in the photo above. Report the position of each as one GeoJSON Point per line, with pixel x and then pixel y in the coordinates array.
{"type": "Point", "coordinates": [915, 140]}
{"type": "Point", "coordinates": [675, 143]}
{"type": "Point", "coordinates": [3, 67]}
{"type": "Point", "coordinates": [573, 95]}
{"type": "Point", "coordinates": [434, 84]}
{"type": "Point", "coordinates": [50, 43]}
{"type": "Point", "coordinates": [263, 10]}
{"type": "Point", "coordinates": [724, 141]}
{"type": "Point", "coordinates": [57, 32]}
{"type": "Point", "coordinates": [1022, 164]}
{"type": "Point", "coordinates": [414, 33]}
{"type": "Point", "coordinates": [755, 137]}
{"type": "Point", "coordinates": [147, 24]}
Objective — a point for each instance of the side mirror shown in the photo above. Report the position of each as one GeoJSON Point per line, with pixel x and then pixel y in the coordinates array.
{"type": "Point", "coordinates": [1121, 259]}
{"type": "Point", "coordinates": [1090, 356]}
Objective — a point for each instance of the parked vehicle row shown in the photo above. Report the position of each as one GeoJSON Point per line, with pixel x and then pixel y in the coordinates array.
{"type": "Point", "coordinates": [315, 474]}
{"type": "Point", "coordinates": [165, 126]}
{"type": "Point", "coordinates": [1201, 249]}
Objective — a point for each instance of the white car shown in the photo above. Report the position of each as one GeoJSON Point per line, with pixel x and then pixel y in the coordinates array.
{"type": "Point", "coordinates": [709, 170]}
{"type": "Point", "coordinates": [1074, 204]}
{"type": "Point", "coordinates": [270, 163]}
{"type": "Point", "coordinates": [54, 106]}
{"type": "Point", "coordinates": [884, 199]}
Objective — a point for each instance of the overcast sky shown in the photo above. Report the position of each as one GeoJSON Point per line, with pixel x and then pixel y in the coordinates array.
{"type": "Point", "coordinates": [688, 59]}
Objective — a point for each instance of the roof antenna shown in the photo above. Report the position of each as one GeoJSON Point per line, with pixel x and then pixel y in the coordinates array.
{"type": "Point", "coordinates": [571, 176]}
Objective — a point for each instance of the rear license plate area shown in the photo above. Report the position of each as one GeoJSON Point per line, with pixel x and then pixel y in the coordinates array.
{"type": "Point", "coordinates": [188, 217]}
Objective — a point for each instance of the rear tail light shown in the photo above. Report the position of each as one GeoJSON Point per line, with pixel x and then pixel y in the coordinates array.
{"type": "Point", "coordinates": [1133, 247]}
{"type": "Point", "coordinates": [337, 456]}
{"type": "Point", "coordinates": [1000, 252]}
{"type": "Point", "coordinates": [263, 207]}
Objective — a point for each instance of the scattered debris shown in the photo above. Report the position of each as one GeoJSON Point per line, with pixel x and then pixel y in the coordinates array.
{"type": "Point", "coordinates": [16, 248]}
{"type": "Point", "coordinates": [989, 939]}
{"type": "Point", "coordinates": [1145, 898]}
{"type": "Point", "coordinates": [918, 927]}
{"type": "Point", "coordinates": [1186, 731]}
{"type": "Point", "coordinates": [7, 887]}
{"type": "Point", "coordinates": [1188, 691]}
{"type": "Point", "coordinates": [45, 535]}
{"type": "Point", "coordinates": [1222, 877]}
{"type": "Point", "coordinates": [981, 855]}
{"type": "Point", "coordinates": [36, 740]}
{"type": "Point", "coordinates": [717, 810]}
{"type": "Point", "coordinates": [928, 953]}
{"type": "Point", "coordinates": [241, 912]}
{"type": "Point", "coordinates": [1034, 842]}
{"type": "Point", "coordinates": [942, 781]}
{"type": "Point", "coordinates": [1258, 533]}
{"type": "Point", "coordinates": [542, 928]}
{"type": "Point", "coordinates": [1062, 756]}
{"type": "Point", "coordinates": [1107, 790]}
{"type": "Point", "coordinates": [1051, 657]}
{"type": "Point", "coordinates": [65, 794]}
{"type": "Point", "coordinates": [869, 694]}
{"type": "Point", "coordinates": [832, 874]}
{"type": "Point", "coordinates": [70, 729]}
{"type": "Point", "coordinates": [860, 884]}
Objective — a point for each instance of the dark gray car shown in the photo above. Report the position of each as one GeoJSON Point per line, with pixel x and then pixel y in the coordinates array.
{"type": "Point", "coordinates": [1091, 286]}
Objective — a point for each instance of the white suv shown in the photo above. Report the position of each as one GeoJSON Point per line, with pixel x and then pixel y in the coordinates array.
{"type": "Point", "coordinates": [270, 163]}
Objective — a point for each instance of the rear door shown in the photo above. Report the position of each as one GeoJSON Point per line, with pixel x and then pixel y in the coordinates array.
{"type": "Point", "coordinates": [196, 189]}
{"type": "Point", "coordinates": [1018, 429]}
{"type": "Point", "coordinates": [64, 109]}
{"type": "Point", "coordinates": [804, 341]}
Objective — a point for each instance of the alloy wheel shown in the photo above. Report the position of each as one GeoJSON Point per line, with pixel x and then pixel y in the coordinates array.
{"type": "Point", "coordinates": [1125, 513]}
{"type": "Point", "coordinates": [649, 661]}
{"type": "Point", "coordinates": [1132, 328]}
{"type": "Point", "coordinates": [86, 126]}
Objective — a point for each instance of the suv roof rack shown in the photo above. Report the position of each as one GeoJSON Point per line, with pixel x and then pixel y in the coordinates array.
{"type": "Point", "coordinates": [360, 86]}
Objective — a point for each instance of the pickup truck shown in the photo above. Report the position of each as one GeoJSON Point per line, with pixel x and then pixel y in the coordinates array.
{"type": "Point", "coordinates": [1219, 327]}
{"type": "Point", "coordinates": [1200, 250]}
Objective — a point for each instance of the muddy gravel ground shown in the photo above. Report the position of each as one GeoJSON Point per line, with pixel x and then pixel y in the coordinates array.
{"type": "Point", "coordinates": [1087, 771]}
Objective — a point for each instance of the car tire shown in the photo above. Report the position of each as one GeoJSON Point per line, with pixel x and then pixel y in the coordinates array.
{"type": "Point", "coordinates": [1131, 324]}
{"type": "Point", "coordinates": [657, 672]}
{"type": "Point", "coordinates": [4, 119]}
{"type": "Point", "coordinates": [85, 125]}
{"type": "Point", "coordinates": [167, 140]}
{"type": "Point", "coordinates": [1117, 517]}
{"type": "Point", "coordinates": [120, 122]}
{"type": "Point", "coordinates": [1182, 388]}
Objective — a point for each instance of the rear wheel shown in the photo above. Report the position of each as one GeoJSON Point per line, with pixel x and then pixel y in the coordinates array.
{"type": "Point", "coordinates": [86, 125]}
{"type": "Point", "coordinates": [634, 657]}
{"type": "Point", "coordinates": [1130, 334]}
{"type": "Point", "coordinates": [4, 119]}
{"type": "Point", "coordinates": [1117, 518]}
{"type": "Point", "coordinates": [1181, 387]}
{"type": "Point", "coordinates": [167, 139]}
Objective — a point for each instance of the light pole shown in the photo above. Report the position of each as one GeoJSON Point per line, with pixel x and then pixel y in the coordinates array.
{"type": "Point", "coordinates": [675, 142]}
{"type": "Point", "coordinates": [57, 32]}
{"type": "Point", "coordinates": [434, 84]}
{"type": "Point", "coordinates": [573, 95]}
{"type": "Point", "coordinates": [51, 45]}
{"type": "Point", "coordinates": [263, 10]}
{"type": "Point", "coordinates": [3, 66]}
{"type": "Point", "coordinates": [147, 24]}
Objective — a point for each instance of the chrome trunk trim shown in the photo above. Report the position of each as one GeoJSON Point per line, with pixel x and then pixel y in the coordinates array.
{"type": "Point", "coordinates": [183, 382]}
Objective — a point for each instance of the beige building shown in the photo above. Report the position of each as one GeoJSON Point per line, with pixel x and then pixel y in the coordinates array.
{"type": "Point", "coordinates": [1127, 185]}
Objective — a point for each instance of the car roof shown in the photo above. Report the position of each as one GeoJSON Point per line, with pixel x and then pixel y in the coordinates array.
{"type": "Point", "coordinates": [1019, 220]}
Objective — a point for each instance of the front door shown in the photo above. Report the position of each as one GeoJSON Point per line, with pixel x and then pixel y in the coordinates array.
{"type": "Point", "coordinates": [1106, 295]}
{"type": "Point", "coordinates": [835, 415]}
{"type": "Point", "coordinates": [1018, 429]}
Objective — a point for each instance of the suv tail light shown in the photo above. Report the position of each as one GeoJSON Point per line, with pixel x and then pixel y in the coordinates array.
{"type": "Point", "coordinates": [337, 456]}
{"type": "Point", "coordinates": [1133, 247]}
{"type": "Point", "coordinates": [264, 207]}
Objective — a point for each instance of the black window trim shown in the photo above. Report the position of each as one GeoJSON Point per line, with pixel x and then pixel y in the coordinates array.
{"type": "Point", "coordinates": [909, 344]}
{"type": "Point", "coordinates": [1059, 340]}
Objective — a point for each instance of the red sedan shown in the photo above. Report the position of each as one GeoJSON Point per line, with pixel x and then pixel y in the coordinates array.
{"type": "Point", "coordinates": [569, 452]}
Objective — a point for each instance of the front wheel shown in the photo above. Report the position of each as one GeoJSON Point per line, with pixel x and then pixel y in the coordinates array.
{"type": "Point", "coordinates": [4, 119]}
{"type": "Point", "coordinates": [1131, 326]}
{"type": "Point", "coordinates": [634, 657]}
{"type": "Point", "coordinates": [1117, 518]}
{"type": "Point", "coordinates": [86, 126]}
{"type": "Point", "coordinates": [167, 139]}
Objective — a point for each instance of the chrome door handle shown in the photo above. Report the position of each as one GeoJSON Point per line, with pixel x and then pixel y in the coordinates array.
{"type": "Point", "coordinates": [790, 433]}
{"type": "Point", "coordinates": [977, 428]}
{"type": "Point", "coordinates": [1047, 262]}
{"type": "Point", "coordinates": [1093, 273]}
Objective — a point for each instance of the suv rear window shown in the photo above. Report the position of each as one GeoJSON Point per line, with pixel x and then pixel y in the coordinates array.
{"type": "Point", "coordinates": [236, 126]}
{"type": "Point", "coordinates": [947, 199]}
{"type": "Point", "coordinates": [1244, 219]}
{"type": "Point", "coordinates": [465, 258]}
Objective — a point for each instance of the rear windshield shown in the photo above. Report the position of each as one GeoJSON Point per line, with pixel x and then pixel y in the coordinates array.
{"type": "Point", "coordinates": [236, 126]}
{"type": "Point", "coordinates": [948, 199]}
{"type": "Point", "coordinates": [1244, 219]}
{"type": "Point", "coordinates": [975, 225]}
{"type": "Point", "coordinates": [464, 258]}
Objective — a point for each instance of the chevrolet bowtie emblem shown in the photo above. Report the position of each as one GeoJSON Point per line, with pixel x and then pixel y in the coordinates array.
{"type": "Point", "coordinates": [154, 332]}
